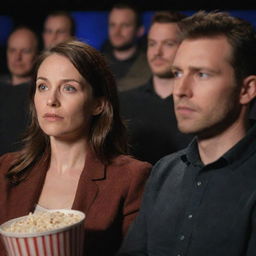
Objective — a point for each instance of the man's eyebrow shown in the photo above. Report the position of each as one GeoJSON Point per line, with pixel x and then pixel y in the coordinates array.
{"type": "Point", "coordinates": [175, 67]}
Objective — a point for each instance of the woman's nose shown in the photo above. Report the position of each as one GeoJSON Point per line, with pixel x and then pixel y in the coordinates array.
{"type": "Point", "coordinates": [53, 101]}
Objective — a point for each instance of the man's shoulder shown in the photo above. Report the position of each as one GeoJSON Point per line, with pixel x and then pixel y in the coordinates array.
{"type": "Point", "coordinates": [173, 158]}
{"type": "Point", "coordinates": [170, 163]}
{"type": "Point", "coordinates": [133, 92]}
{"type": "Point", "coordinates": [167, 171]}
{"type": "Point", "coordinates": [132, 100]}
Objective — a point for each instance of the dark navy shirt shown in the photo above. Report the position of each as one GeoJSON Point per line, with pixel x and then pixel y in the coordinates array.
{"type": "Point", "coordinates": [14, 118]}
{"type": "Point", "coordinates": [192, 209]}
{"type": "Point", "coordinates": [151, 122]}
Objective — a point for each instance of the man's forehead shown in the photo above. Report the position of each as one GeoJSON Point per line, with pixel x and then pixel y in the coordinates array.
{"type": "Point", "coordinates": [204, 47]}
{"type": "Point", "coordinates": [122, 13]}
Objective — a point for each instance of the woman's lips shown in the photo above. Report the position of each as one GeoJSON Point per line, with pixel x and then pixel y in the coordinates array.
{"type": "Point", "coordinates": [52, 117]}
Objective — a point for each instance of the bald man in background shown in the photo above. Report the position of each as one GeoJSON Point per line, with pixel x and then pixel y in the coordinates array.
{"type": "Point", "coordinates": [22, 50]}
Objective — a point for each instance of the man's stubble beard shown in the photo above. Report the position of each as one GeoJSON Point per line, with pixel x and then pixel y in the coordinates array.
{"type": "Point", "coordinates": [124, 47]}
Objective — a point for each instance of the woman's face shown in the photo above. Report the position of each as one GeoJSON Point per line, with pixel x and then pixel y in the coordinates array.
{"type": "Point", "coordinates": [63, 99]}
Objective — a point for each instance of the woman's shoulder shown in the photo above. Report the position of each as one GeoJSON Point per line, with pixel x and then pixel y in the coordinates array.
{"type": "Point", "coordinates": [6, 160]}
{"type": "Point", "coordinates": [128, 160]}
{"type": "Point", "coordinates": [128, 173]}
{"type": "Point", "coordinates": [127, 163]}
{"type": "Point", "coordinates": [8, 157]}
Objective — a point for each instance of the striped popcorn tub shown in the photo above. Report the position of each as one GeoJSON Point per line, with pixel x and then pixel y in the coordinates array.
{"type": "Point", "coordinates": [60, 233]}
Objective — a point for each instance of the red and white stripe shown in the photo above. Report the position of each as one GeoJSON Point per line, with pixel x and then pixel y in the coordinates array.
{"type": "Point", "coordinates": [66, 243]}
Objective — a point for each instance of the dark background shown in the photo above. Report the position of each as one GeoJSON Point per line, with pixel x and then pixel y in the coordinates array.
{"type": "Point", "coordinates": [33, 12]}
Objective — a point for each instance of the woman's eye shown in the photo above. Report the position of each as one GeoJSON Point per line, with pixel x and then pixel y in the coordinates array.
{"type": "Point", "coordinates": [69, 88]}
{"type": "Point", "coordinates": [42, 87]}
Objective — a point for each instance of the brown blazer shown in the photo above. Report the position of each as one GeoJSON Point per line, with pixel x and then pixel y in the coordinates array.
{"type": "Point", "coordinates": [110, 197]}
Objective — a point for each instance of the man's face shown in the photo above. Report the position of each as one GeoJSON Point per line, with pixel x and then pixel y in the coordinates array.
{"type": "Point", "coordinates": [56, 30]}
{"type": "Point", "coordinates": [21, 52]}
{"type": "Point", "coordinates": [122, 28]}
{"type": "Point", "coordinates": [205, 92]}
{"type": "Point", "coordinates": [162, 47]}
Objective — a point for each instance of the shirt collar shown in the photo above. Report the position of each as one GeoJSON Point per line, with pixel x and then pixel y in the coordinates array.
{"type": "Point", "coordinates": [239, 152]}
{"type": "Point", "coordinates": [244, 148]}
{"type": "Point", "coordinates": [191, 154]}
{"type": "Point", "coordinates": [149, 88]}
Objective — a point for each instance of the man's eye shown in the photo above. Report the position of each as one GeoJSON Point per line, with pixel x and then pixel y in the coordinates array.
{"type": "Point", "coordinates": [203, 75]}
{"type": "Point", "coordinates": [126, 25]}
{"type": "Point", "coordinates": [171, 43]}
{"type": "Point", "coordinates": [150, 43]}
{"type": "Point", "coordinates": [176, 73]}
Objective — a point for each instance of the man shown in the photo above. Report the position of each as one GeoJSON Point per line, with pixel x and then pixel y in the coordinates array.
{"type": "Point", "coordinates": [22, 50]}
{"type": "Point", "coordinates": [126, 59]}
{"type": "Point", "coordinates": [202, 200]}
{"type": "Point", "coordinates": [149, 109]}
{"type": "Point", "coordinates": [58, 27]}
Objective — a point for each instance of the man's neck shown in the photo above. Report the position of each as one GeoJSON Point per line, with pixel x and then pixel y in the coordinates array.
{"type": "Point", "coordinates": [163, 86]}
{"type": "Point", "coordinates": [213, 148]}
{"type": "Point", "coordinates": [16, 80]}
{"type": "Point", "coordinates": [125, 54]}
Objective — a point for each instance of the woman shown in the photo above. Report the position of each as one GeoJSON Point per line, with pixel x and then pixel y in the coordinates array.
{"type": "Point", "coordinates": [74, 153]}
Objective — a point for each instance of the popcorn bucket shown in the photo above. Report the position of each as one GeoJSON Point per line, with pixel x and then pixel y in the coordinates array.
{"type": "Point", "coordinates": [64, 241]}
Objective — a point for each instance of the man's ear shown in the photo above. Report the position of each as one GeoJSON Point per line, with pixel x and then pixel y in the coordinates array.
{"type": "Point", "coordinates": [98, 106]}
{"type": "Point", "coordinates": [248, 90]}
{"type": "Point", "coordinates": [140, 31]}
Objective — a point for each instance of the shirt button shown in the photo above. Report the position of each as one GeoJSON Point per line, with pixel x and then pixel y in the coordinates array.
{"type": "Point", "coordinates": [182, 237]}
{"type": "Point", "coordinates": [190, 216]}
{"type": "Point", "coordinates": [199, 183]}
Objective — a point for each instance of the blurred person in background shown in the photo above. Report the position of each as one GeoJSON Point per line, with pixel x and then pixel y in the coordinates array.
{"type": "Point", "coordinates": [22, 51]}
{"type": "Point", "coordinates": [126, 58]}
{"type": "Point", "coordinates": [74, 154]}
{"type": "Point", "coordinates": [149, 109]}
{"type": "Point", "coordinates": [59, 26]}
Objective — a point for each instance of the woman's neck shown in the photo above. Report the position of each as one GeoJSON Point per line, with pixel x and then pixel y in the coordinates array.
{"type": "Point", "coordinates": [66, 156]}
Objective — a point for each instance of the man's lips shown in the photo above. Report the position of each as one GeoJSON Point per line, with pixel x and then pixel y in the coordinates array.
{"type": "Point", "coordinates": [117, 37]}
{"type": "Point", "coordinates": [182, 109]}
{"type": "Point", "coordinates": [158, 61]}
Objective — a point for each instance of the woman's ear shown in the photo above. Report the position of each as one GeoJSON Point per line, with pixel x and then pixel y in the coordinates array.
{"type": "Point", "coordinates": [98, 106]}
{"type": "Point", "coordinates": [248, 91]}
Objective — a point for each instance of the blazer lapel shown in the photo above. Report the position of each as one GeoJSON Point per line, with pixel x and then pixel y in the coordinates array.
{"type": "Point", "coordinates": [87, 189]}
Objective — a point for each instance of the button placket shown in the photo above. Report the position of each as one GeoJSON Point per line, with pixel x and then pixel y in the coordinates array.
{"type": "Point", "coordinates": [182, 237]}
